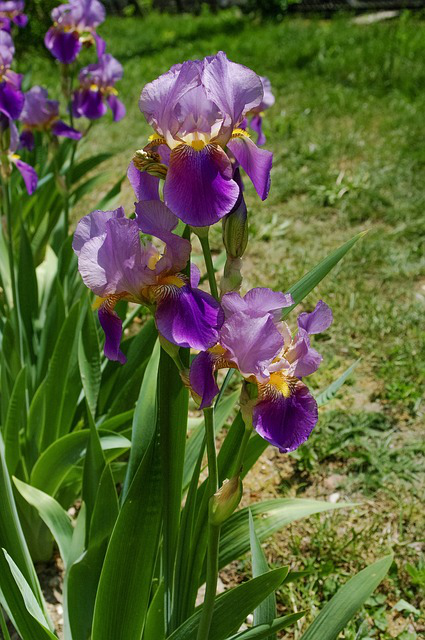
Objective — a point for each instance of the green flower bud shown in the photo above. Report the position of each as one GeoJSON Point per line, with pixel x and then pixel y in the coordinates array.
{"type": "Point", "coordinates": [232, 276]}
{"type": "Point", "coordinates": [224, 502]}
{"type": "Point", "coordinates": [235, 229]}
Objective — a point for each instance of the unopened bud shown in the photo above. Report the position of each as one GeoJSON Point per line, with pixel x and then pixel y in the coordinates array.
{"type": "Point", "coordinates": [150, 161]}
{"type": "Point", "coordinates": [232, 275]}
{"type": "Point", "coordinates": [224, 502]}
{"type": "Point", "coordinates": [247, 401]}
{"type": "Point", "coordinates": [235, 229]}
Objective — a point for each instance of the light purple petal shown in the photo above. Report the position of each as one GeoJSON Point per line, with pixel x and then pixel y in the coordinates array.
{"type": "Point", "coordinates": [117, 107]}
{"type": "Point", "coordinates": [199, 187]}
{"type": "Point", "coordinates": [202, 378]}
{"type": "Point", "coordinates": [256, 124]}
{"type": "Point", "coordinates": [257, 302]}
{"type": "Point", "coordinates": [257, 163]}
{"type": "Point", "coordinates": [252, 343]}
{"type": "Point", "coordinates": [304, 359]}
{"type": "Point", "coordinates": [59, 128]}
{"type": "Point", "coordinates": [235, 89]}
{"type": "Point", "coordinates": [156, 219]}
{"type": "Point", "coordinates": [286, 422]}
{"type": "Point", "coordinates": [92, 226]}
{"type": "Point", "coordinates": [29, 175]}
{"type": "Point", "coordinates": [189, 318]}
{"type": "Point", "coordinates": [111, 324]}
{"type": "Point", "coordinates": [100, 45]}
{"type": "Point", "coordinates": [318, 320]}
{"type": "Point", "coordinates": [195, 275]}
{"type": "Point", "coordinates": [38, 109]}
{"type": "Point", "coordinates": [145, 186]}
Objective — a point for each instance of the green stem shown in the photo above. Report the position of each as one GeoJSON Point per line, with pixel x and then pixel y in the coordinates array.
{"type": "Point", "coordinates": [241, 453]}
{"type": "Point", "coordinates": [3, 625]}
{"type": "Point", "coordinates": [209, 265]}
{"type": "Point", "coordinates": [213, 531]}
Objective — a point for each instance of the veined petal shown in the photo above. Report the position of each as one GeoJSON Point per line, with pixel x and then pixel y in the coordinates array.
{"type": "Point", "coordinates": [252, 343]}
{"type": "Point", "coordinates": [189, 317]}
{"type": "Point", "coordinates": [155, 218]}
{"type": "Point", "coordinates": [257, 163]}
{"type": "Point", "coordinates": [93, 225]}
{"type": "Point", "coordinates": [59, 128]}
{"type": "Point", "coordinates": [318, 320]}
{"type": "Point", "coordinates": [145, 186]}
{"type": "Point", "coordinates": [256, 125]}
{"type": "Point", "coordinates": [117, 107]}
{"type": "Point", "coordinates": [286, 422]}
{"type": "Point", "coordinates": [199, 187]}
{"type": "Point", "coordinates": [89, 104]}
{"type": "Point", "coordinates": [202, 378]}
{"type": "Point", "coordinates": [11, 100]}
{"type": "Point", "coordinates": [29, 175]}
{"type": "Point", "coordinates": [195, 275]}
{"type": "Point", "coordinates": [63, 45]}
{"type": "Point", "coordinates": [257, 302]}
{"type": "Point", "coordinates": [111, 324]}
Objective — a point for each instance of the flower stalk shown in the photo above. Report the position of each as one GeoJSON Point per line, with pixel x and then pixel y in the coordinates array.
{"type": "Point", "coordinates": [209, 264]}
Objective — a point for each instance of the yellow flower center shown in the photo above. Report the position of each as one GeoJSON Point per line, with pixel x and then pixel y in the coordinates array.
{"type": "Point", "coordinates": [198, 145]}
{"type": "Point", "coordinates": [278, 381]}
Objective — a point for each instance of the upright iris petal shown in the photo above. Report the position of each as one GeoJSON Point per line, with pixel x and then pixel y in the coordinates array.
{"type": "Point", "coordinates": [12, 11]}
{"type": "Point", "coordinates": [195, 109]}
{"type": "Point", "coordinates": [255, 341]}
{"type": "Point", "coordinates": [115, 265]}
{"type": "Point", "coordinates": [97, 90]}
{"type": "Point", "coordinates": [11, 96]}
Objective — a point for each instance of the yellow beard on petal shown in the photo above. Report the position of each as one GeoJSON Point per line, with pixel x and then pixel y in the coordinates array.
{"type": "Point", "coordinates": [177, 281]}
{"type": "Point", "coordinates": [279, 382]}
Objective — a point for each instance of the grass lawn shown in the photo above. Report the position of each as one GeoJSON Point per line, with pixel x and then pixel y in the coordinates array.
{"type": "Point", "coordinates": [347, 131]}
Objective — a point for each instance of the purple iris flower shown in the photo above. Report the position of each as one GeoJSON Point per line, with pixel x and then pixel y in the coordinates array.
{"type": "Point", "coordinates": [27, 172]}
{"type": "Point", "coordinates": [253, 340]}
{"type": "Point", "coordinates": [74, 26]}
{"type": "Point", "coordinates": [256, 114]}
{"type": "Point", "coordinates": [195, 109]}
{"type": "Point", "coordinates": [11, 96]}
{"type": "Point", "coordinates": [97, 90]}
{"type": "Point", "coordinates": [12, 11]}
{"type": "Point", "coordinates": [41, 114]}
{"type": "Point", "coordinates": [116, 265]}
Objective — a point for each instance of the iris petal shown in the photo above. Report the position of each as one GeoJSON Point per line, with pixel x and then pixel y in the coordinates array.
{"type": "Point", "coordinates": [257, 163]}
{"type": "Point", "coordinates": [202, 378]}
{"type": "Point", "coordinates": [111, 324]}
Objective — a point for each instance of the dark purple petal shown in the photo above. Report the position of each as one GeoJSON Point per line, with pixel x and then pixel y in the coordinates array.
{"type": "Point", "coordinates": [92, 226]}
{"type": "Point", "coordinates": [111, 324]}
{"type": "Point", "coordinates": [256, 125]}
{"type": "Point", "coordinates": [63, 45]}
{"type": "Point", "coordinates": [5, 24]}
{"type": "Point", "coordinates": [21, 21]}
{"type": "Point", "coordinates": [252, 342]}
{"type": "Point", "coordinates": [202, 378]}
{"type": "Point", "coordinates": [26, 139]}
{"type": "Point", "coordinates": [286, 422]}
{"type": "Point", "coordinates": [11, 100]}
{"type": "Point", "coordinates": [117, 107]}
{"type": "Point", "coordinates": [235, 89]}
{"type": "Point", "coordinates": [89, 103]}
{"type": "Point", "coordinates": [59, 128]}
{"type": "Point", "coordinates": [189, 318]}
{"type": "Point", "coordinates": [156, 219]}
{"type": "Point", "coordinates": [318, 320]}
{"type": "Point", "coordinates": [256, 162]}
{"type": "Point", "coordinates": [29, 175]}
{"type": "Point", "coordinates": [145, 186]}
{"type": "Point", "coordinates": [199, 187]}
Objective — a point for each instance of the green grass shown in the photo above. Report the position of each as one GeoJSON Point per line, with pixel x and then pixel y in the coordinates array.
{"type": "Point", "coordinates": [347, 134]}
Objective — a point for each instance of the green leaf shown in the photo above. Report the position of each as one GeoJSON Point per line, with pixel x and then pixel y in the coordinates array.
{"type": "Point", "coordinates": [155, 627]}
{"type": "Point", "coordinates": [144, 420]}
{"type": "Point", "coordinates": [62, 456]}
{"type": "Point", "coordinates": [232, 607]}
{"type": "Point", "coordinates": [269, 516]}
{"type": "Point", "coordinates": [123, 594]}
{"type": "Point", "coordinates": [27, 287]}
{"type": "Point", "coordinates": [308, 282]}
{"type": "Point", "coordinates": [325, 396]}
{"type": "Point", "coordinates": [335, 615]}
{"type": "Point", "coordinates": [266, 611]}
{"type": "Point", "coordinates": [30, 601]}
{"type": "Point", "coordinates": [15, 421]}
{"type": "Point", "coordinates": [94, 465]}
{"type": "Point", "coordinates": [50, 511]}
{"type": "Point", "coordinates": [89, 361]}
{"type": "Point", "coordinates": [88, 164]}
{"type": "Point", "coordinates": [262, 631]}
{"type": "Point", "coordinates": [108, 201]}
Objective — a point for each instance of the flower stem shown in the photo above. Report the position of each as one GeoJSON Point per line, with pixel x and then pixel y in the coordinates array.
{"type": "Point", "coordinates": [237, 468]}
{"type": "Point", "coordinates": [209, 265]}
{"type": "Point", "coordinates": [213, 531]}
{"type": "Point", "coordinates": [3, 625]}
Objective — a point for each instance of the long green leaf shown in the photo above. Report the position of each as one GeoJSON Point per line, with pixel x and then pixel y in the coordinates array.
{"type": "Point", "coordinates": [122, 599]}
{"type": "Point", "coordinates": [266, 611]}
{"type": "Point", "coordinates": [308, 282]}
{"type": "Point", "coordinates": [50, 511]}
{"type": "Point", "coordinates": [94, 464]}
{"type": "Point", "coordinates": [341, 608]}
{"type": "Point", "coordinates": [262, 631]}
{"type": "Point", "coordinates": [144, 419]}
{"type": "Point", "coordinates": [27, 287]}
{"type": "Point", "coordinates": [325, 396]}
{"type": "Point", "coordinates": [232, 607]}
{"type": "Point", "coordinates": [89, 361]}
{"type": "Point", "coordinates": [269, 516]}
{"type": "Point", "coordinates": [15, 421]}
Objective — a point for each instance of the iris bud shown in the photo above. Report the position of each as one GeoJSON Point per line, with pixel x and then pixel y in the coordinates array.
{"type": "Point", "coordinates": [235, 229]}
{"type": "Point", "coordinates": [232, 276]}
{"type": "Point", "coordinates": [224, 502]}
{"type": "Point", "coordinates": [150, 162]}
{"type": "Point", "coordinates": [247, 401]}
